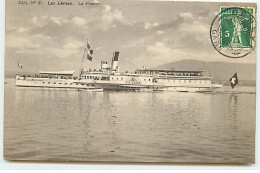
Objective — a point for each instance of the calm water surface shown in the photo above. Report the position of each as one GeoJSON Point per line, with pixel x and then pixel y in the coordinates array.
{"type": "Point", "coordinates": [66, 125]}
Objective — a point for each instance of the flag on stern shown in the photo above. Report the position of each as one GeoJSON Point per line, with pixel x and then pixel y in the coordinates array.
{"type": "Point", "coordinates": [90, 53]}
{"type": "Point", "coordinates": [233, 80]}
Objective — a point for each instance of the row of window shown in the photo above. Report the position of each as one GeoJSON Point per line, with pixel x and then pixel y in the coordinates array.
{"type": "Point", "coordinates": [131, 82]}
{"type": "Point", "coordinates": [107, 78]}
{"type": "Point", "coordinates": [63, 83]}
{"type": "Point", "coordinates": [56, 77]}
{"type": "Point", "coordinates": [95, 77]}
{"type": "Point", "coordinates": [123, 79]}
{"type": "Point", "coordinates": [116, 78]}
{"type": "Point", "coordinates": [168, 73]}
{"type": "Point", "coordinates": [188, 81]}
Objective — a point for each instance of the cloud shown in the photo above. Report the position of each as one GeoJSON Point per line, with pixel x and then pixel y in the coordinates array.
{"type": "Point", "coordinates": [44, 20]}
{"type": "Point", "coordinates": [20, 43]}
{"type": "Point", "coordinates": [180, 19]}
{"type": "Point", "coordinates": [148, 25]}
{"type": "Point", "coordinates": [56, 20]}
{"type": "Point", "coordinates": [48, 36]}
{"type": "Point", "coordinates": [72, 44]}
{"type": "Point", "coordinates": [158, 48]}
{"type": "Point", "coordinates": [160, 53]}
{"type": "Point", "coordinates": [198, 32]}
{"type": "Point", "coordinates": [110, 18]}
{"type": "Point", "coordinates": [186, 16]}
{"type": "Point", "coordinates": [53, 21]}
{"type": "Point", "coordinates": [79, 21]}
{"type": "Point", "coordinates": [63, 36]}
{"type": "Point", "coordinates": [160, 32]}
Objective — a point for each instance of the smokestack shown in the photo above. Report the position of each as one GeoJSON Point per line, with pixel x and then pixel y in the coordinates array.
{"type": "Point", "coordinates": [115, 61]}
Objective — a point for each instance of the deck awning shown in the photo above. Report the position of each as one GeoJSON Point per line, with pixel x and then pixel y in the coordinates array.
{"type": "Point", "coordinates": [67, 73]}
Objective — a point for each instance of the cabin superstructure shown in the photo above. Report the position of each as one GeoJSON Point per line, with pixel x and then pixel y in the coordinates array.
{"type": "Point", "coordinates": [195, 80]}
{"type": "Point", "coordinates": [174, 73]}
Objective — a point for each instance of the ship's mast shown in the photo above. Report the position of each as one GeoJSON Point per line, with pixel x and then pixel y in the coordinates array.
{"type": "Point", "coordinates": [80, 70]}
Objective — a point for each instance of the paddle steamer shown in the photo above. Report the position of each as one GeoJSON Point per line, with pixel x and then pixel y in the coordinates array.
{"type": "Point", "coordinates": [109, 78]}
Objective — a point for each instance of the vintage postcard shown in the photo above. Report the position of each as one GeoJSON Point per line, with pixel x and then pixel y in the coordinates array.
{"type": "Point", "coordinates": [130, 81]}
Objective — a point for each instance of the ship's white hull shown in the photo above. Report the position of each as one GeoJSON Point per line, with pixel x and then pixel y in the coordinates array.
{"type": "Point", "coordinates": [192, 89]}
{"type": "Point", "coordinates": [54, 83]}
{"type": "Point", "coordinates": [99, 85]}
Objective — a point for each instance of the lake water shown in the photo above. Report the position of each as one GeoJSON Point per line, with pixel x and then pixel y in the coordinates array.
{"type": "Point", "coordinates": [66, 125]}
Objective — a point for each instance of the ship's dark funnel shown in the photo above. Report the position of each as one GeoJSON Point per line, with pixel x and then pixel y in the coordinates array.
{"type": "Point", "coordinates": [115, 61]}
{"type": "Point", "coordinates": [115, 57]}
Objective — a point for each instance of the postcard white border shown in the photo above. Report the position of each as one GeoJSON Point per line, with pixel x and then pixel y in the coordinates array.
{"type": "Point", "coordinates": [82, 166]}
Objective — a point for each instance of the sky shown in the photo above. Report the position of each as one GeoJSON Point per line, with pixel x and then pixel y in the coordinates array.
{"type": "Point", "coordinates": [146, 33]}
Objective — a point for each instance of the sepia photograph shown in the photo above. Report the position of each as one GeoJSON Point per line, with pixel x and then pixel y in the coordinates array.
{"type": "Point", "coordinates": [130, 81]}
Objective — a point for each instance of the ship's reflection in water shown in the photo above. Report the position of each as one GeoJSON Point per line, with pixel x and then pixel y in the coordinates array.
{"type": "Point", "coordinates": [45, 124]}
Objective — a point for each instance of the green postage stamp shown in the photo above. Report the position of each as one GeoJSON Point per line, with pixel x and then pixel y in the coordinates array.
{"type": "Point", "coordinates": [233, 31]}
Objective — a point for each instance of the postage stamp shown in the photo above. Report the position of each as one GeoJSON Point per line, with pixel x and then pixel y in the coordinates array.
{"type": "Point", "coordinates": [233, 31]}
